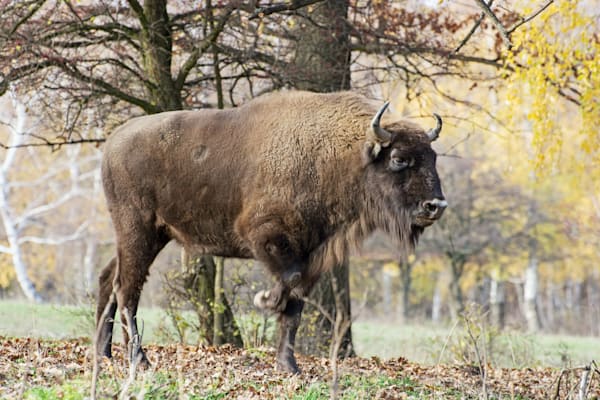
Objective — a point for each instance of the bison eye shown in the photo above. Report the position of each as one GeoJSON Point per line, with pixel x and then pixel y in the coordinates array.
{"type": "Point", "coordinates": [399, 163]}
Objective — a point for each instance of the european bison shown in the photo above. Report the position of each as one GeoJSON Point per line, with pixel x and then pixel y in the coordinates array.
{"type": "Point", "coordinates": [292, 179]}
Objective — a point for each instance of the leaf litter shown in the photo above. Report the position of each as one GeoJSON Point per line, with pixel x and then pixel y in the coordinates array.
{"type": "Point", "coordinates": [183, 371]}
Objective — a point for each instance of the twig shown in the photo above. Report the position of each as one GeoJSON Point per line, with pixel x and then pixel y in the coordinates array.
{"type": "Point", "coordinates": [532, 16]}
{"type": "Point", "coordinates": [96, 367]}
{"type": "Point", "coordinates": [583, 384]}
{"type": "Point", "coordinates": [446, 342]}
{"type": "Point", "coordinates": [340, 325]}
{"type": "Point", "coordinates": [490, 14]}
{"type": "Point", "coordinates": [557, 391]}
{"type": "Point", "coordinates": [284, 6]}
{"type": "Point", "coordinates": [52, 144]}
{"type": "Point", "coordinates": [480, 361]}
{"type": "Point", "coordinates": [473, 29]}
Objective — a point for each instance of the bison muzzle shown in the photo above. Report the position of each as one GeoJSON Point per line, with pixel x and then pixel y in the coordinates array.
{"type": "Point", "coordinates": [293, 179]}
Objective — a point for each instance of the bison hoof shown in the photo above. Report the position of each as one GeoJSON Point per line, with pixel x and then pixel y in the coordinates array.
{"type": "Point", "coordinates": [260, 299]}
{"type": "Point", "coordinates": [270, 300]}
{"type": "Point", "coordinates": [143, 363]}
{"type": "Point", "coordinates": [288, 364]}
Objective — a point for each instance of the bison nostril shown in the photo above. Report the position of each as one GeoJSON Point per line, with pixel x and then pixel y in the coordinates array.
{"type": "Point", "coordinates": [435, 207]}
{"type": "Point", "coordinates": [429, 206]}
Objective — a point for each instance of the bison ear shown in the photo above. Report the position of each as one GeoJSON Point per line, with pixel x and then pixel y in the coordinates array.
{"type": "Point", "coordinates": [371, 151]}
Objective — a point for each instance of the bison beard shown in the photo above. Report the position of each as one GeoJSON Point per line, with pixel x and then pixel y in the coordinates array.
{"type": "Point", "coordinates": [295, 180]}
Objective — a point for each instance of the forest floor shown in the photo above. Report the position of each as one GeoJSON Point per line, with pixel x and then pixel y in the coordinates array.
{"type": "Point", "coordinates": [61, 369]}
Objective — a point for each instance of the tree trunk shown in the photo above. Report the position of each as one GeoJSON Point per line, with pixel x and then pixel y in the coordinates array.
{"type": "Point", "coordinates": [457, 305]}
{"type": "Point", "coordinates": [157, 42]}
{"type": "Point", "coordinates": [199, 275]}
{"type": "Point", "coordinates": [530, 291]}
{"type": "Point", "coordinates": [406, 278]}
{"type": "Point", "coordinates": [89, 263]}
{"type": "Point", "coordinates": [497, 300]}
{"type": "Point", "coordinates": [11, 229]}
{"type": "Point", "coordinates": [593, 302]}
{"type": "Point", "coordinates": [436, 302]}
{"type": "Point", "coordinates": [386, 291]}
{"type": "Point", "coordinates": [322, 56]}
{"type": "Point", "coordinates": [218, 309]}
{"type": "Point", "coordinates": [322, 64]}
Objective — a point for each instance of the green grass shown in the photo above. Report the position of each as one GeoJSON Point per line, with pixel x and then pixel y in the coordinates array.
{"type": "Point", "coordinates": [66, 391]}
{"type": "Point", "coordinates": [40, 320]}
{"type": "Point", "coordinates": [362, 387]}
{"type": "Point", "coordinates": [49, 321]}
{"type": "Point", "coordinates": [163, 387]}
{"type": "Point", "coordinates": [417, 343]}
{"type": "Point", "coordinates": [389, 340]}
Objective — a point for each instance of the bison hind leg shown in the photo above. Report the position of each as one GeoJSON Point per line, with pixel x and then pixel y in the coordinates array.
{"type": "Point", "coordinates": [139, 241]}
{"type": "Point", "coordinates": [105, 311]}
{"type": "Point", "coordinates": [133, 341]}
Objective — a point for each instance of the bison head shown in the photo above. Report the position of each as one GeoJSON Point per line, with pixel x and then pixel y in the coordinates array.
{"type": "Point", "coordinates": [402, 180]}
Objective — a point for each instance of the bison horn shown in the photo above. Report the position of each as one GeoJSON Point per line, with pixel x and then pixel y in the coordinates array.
{"type": "Point", "coordinates": [434, 133]}
{"type": "Point", "coordinates": [380, 133]}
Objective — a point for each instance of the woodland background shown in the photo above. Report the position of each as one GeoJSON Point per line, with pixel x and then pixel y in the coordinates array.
{"type": "Point", "coordinates": [517, 84]}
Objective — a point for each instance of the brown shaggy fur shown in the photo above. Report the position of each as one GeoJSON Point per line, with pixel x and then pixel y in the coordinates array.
{"type": "Point", "coordinates": [289, 179]}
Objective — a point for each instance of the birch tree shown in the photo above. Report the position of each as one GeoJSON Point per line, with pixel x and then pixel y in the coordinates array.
{"type": "Point", "coordinates": [21, 220]}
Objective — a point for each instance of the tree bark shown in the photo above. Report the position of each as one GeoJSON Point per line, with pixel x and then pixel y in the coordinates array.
{"type": "Point", "coordinates": [457, 266]}
{"type": "Point", "coordinates": [530, 291]}
{"type": "Point", "coordinates": [199, 276]}
{"type": "Point", "coordinates": [322, 56]}
{"type": "Point", "coordinates": [436, 301]}
{"type": "Point", "coordinates": [386, 290]}
{"type": "Point", "coordinates": [6, 213]}
{"type": "Point", "coordinates": [497, 300]}
{"type": "Point", "coordinates": [218, 309]}
{"type": "Point", "coordinates": [322, 64]}
{"type": "Point", "coordinates": [406, 279]}
{"type": "Point", "coordinates": [157, 44]}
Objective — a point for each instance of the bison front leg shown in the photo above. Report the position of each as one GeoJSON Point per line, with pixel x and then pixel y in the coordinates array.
{"type": "Point", "coordinates": [272, 244]}
{"type": "Point", "coordinates": [289, 321]}
{"type": "Point", "coordinates": [289, 306]}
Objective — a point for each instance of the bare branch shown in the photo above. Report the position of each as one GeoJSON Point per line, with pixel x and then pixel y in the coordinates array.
{"type": "Point", "coordinates": [281, 7]}
{"type": "Point", "coordinates": [47, 207]}
{"type": "Point", "coordinates": [532, 16]}
{"type": "Point", "coordinates": [53, 144]}
{"type": "Point", "coordinates": [137, 8]}
{"type": "Point", "coordinates": [473, 29]}
{"type": "Point", "coordinates": [55, 240]}
{"type": "Point", "coordinates": [490, 14]}
{"type": "Point", "coordinates": [107, 88]}
{"type": "Point", "coordinates": [199, 50]}
{"type": "Point", "coordinates": [33, 9]}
